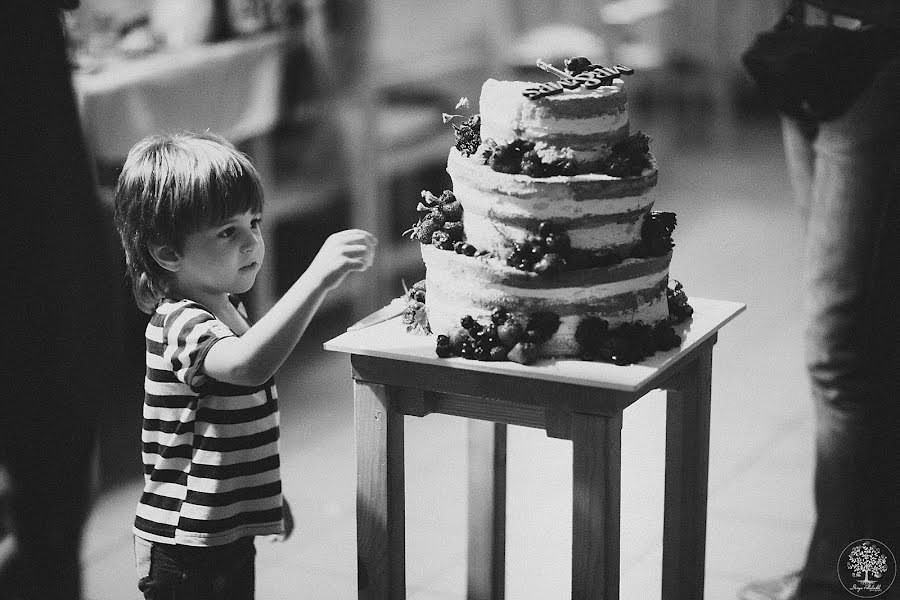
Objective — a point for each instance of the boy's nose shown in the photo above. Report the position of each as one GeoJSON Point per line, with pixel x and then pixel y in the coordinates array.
{"type": "Point", "coordinates": [252, 241]}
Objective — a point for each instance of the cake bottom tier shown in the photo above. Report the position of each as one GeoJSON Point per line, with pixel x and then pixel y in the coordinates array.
{"type": "Point", "coordinates": [459, 285]}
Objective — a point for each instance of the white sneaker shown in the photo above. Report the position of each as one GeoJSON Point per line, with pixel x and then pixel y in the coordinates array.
{"type": "Point", "coordinates": [783, 588]}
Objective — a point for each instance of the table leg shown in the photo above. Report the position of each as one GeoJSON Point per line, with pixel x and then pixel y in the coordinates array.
{"type": "Point", "coordinates": [687, 469]}
{"type": "Point", "coordinates": [597, 468]}
{"type": "Point", "coordinates": [380, 508]}
{"type": "Point", "coordinates": [487, 510]}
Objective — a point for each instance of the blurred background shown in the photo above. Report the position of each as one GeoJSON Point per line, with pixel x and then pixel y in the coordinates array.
{"type": "Point", "coordinates": [339, 104]}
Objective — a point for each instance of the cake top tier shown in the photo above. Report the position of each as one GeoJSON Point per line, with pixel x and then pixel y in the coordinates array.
{"type": "Point", "coordinates": [588, 121]}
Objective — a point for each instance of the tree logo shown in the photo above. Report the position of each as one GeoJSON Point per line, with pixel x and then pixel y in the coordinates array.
{"type": "Point", "coordinates": [867, 568]}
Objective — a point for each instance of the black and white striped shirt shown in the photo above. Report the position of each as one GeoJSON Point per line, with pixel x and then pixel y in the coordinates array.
{"type": "Point", "coordinates": [210, 449]}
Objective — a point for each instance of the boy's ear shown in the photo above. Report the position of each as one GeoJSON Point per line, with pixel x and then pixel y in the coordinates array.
{"type": "Point", "coordinates": [166, 256]}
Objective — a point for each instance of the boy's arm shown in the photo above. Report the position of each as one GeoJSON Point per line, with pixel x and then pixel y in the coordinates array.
{"type": "Point", "coordinates": [253, 358]}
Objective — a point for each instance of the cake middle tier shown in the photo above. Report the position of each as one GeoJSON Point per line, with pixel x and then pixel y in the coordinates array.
{"type": "Point", "coordinates": [459, 285]}
{"type": "Point", "coordinates": [601, 214]}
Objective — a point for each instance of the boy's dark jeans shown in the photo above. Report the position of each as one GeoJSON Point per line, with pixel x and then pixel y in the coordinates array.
{"type": "Point", "coordinates": [169, 572]}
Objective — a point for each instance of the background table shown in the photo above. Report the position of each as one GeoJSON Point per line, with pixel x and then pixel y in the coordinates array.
{"type": "Point", "coordinates": [397, 374]}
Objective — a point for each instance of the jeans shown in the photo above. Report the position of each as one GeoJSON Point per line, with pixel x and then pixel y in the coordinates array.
{"type": "Point", "coordinates": [169, 572]}
{"type": "Point", "coordinates": [846, 177]}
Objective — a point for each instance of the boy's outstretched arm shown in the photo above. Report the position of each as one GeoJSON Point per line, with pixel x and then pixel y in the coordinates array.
{"type": "Point", "coordinates": [254, 357]}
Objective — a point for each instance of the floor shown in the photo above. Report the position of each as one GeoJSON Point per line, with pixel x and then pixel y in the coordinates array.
{"type": "Point", "coordinates": [737, 239]}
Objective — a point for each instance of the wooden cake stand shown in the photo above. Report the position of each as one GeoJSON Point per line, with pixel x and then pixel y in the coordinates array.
{"type": "Point", "coordinates": [397, 374]}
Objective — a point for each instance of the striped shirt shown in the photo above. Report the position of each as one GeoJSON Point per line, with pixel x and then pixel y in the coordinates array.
{"type": "Point", "coordinates": [210, 449]}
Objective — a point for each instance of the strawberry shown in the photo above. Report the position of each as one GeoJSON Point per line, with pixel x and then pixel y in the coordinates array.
{"type": "Point", "coordinates": [523, 353]}
{"type": "Point", "coordinates": [425, 228]}
{"type": "Point", "coordinates": [452, 211]}
{"type": "Point", "coordinates": [510, 332]}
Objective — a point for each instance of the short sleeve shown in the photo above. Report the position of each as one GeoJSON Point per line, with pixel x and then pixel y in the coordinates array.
{"type": "Point", "coordinates": [188, 334]}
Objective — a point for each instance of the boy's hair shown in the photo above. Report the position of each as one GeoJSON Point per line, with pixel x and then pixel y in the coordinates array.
{"type": "Point", "coordinates": [171, 186]}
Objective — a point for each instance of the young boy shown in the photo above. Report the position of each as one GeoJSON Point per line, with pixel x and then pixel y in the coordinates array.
{"type": "Point", "coordinates": [188, 210]}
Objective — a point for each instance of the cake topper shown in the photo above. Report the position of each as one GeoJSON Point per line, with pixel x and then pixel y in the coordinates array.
{"type": "Point", "coordinates": [580, 72]}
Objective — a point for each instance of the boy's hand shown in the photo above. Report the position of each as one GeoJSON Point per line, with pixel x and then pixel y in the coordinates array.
{"type": "Point", "coordinates": [288, 517]}
{"type": "Point", "coordinates": [341, 254]}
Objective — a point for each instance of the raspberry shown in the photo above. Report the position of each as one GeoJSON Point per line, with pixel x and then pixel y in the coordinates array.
{"type": "Point", "coordinates": [468, 135]}
{"type": "Point", "coordinates": [457, 335]}
{"type": "Point", "coordinates": [442, 240]}
{"type": "Point", "coordinates": [498, 353]}
{"type": "Point", "coordinates": [550, 264]}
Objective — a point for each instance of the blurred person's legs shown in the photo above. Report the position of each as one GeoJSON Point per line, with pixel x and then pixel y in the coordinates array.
{"type": "Point", "coordinates": [54, 303]}
{"type": "Point", "coordinates": [846, 173]}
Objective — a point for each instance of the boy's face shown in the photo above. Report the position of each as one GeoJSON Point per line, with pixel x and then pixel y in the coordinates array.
{"type": "Point", "coordinates": [221, 259]}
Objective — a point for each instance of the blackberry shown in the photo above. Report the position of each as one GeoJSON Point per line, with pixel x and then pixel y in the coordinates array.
{"type": "Point", "coordinates": [545, 323]}
{"type": "Point", "coordinates": [469, 249]}
{"type": "Point", "coordinates": [590, 332]}
{"type": "Point", "coordinates": [545, 228]}
{"type": "Point", "coordinates": [454, 229]}
{"type": "Point", "coordinates": [558, 243]}
{"type": "Point", "coordinates": [468, 322]}
{"type": "Point", "coordinates": [563, 166]}
{"type": "Point", "coordinates": [458, 247]}
{"type": "Point", "coordinates": [482, 353]}
{"type": "Point", "coordinates": [420, 296]}
{"type": "Point", "coordinates": [499, 315]}
{"type": "Point", "coordinates": [577, 64]}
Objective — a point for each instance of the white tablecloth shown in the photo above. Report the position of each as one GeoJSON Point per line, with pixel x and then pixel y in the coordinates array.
{"type": "Point", "coordinates": [232, 88]}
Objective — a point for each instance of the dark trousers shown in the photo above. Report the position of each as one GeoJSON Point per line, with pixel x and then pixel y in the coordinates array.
{"type": "Point", "coordinates": [169, 572]}
{"type": "Point", "coordinates": [846, 174]}
{"type": "Point", "coordinates": [54, 377]}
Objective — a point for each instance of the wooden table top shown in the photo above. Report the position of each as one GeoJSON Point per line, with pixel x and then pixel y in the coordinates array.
{"type": "Point", "coordinates": [390, 340]}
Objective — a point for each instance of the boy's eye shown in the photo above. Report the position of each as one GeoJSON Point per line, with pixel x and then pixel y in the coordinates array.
{"type": "Point", "coordinates": [227, 232]}
{"type": "Point", "coordinates": [255, 223]}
